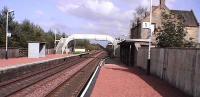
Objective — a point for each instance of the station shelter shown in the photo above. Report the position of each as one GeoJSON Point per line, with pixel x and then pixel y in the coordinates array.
{"type": "Point", "coordinates": [129, 50]}
{"type": "Point", "coordinates": [36, 49]}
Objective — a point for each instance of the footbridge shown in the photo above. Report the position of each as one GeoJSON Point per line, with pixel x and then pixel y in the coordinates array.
{"type": "Point", "coordinates": [62, 46]}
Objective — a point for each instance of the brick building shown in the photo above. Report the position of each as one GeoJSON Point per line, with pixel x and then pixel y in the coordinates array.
{"type": "Point", "coordinates": [191, 24]}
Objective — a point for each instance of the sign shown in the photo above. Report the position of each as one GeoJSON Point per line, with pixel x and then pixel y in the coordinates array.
{"type": "Point", "coordinates": [146, 25]}
{"type": "Point", "coordinates": [8, 34]}
{"type": "Point", "coordinates": [152, 28]}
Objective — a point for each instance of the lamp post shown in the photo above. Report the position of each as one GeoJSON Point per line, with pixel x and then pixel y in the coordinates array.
{"type": "Point", "coordinates": [6, 56]}
{"type": "Point", "coordinates": [150, 40]}
{"type": "Point", "coordinates": [55, 32]}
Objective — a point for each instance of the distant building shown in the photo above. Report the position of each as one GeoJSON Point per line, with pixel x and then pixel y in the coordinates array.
{"type": "Point", "coordinates": [79, 50]}
{"type": "Point", "coordinates": [191, 24]}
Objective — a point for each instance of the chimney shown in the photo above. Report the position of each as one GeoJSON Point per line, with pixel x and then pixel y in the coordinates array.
{"type": "Point", "coordinates": [162, 3]}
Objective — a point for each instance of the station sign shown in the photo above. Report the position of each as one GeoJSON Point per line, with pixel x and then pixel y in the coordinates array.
{"type": "Point", "coordinates": [152, 28]}
{"type": "Point", "coordinates": [146, 25]}
{"type": "Point", "coordinates": [8, 34]}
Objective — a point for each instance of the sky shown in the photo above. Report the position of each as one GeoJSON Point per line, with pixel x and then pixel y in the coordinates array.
{"type": "Point", "coordinates": [112, 17]}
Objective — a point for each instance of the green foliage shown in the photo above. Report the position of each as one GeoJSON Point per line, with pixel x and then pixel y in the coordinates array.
{"type": "Point", "coordinates": [94, 47]}
{"type": "Point", "coordinates": [86, 44]}
{"type": "Point", "coordinates": [3, 15]}
{"type": "Point", "coordinates": [29, 32]}
{"type": "Point", "coordinates": [50, 39]}
{"type": "Point", "coordinates": [172, 33]}
{"type": "Point", "coordinates": [82, 43]}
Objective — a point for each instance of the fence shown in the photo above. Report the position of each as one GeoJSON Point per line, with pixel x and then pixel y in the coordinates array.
{"type": "Point", "coordinates": [19, 52]}
{"type": "Point", "coordinates": [179, 67]}
{"type": "Point", "coordinates": [12, 52]}
{"type": "Point", "coordinates": [50, 51]}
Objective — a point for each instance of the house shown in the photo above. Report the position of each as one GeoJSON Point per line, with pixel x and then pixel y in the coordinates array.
{"type": "Point", "coordinates": [190, 22]}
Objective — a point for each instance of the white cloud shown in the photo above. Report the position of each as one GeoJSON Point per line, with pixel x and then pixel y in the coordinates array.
{"type": "Point", "coordinates": [89, 9]}
{"type": "Point", "coordinates": [103, 16]}
{"type": "Point", "coordinates": [101, 7]}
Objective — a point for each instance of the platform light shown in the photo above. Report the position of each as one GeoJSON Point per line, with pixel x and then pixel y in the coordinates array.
{"type": "Point", "coordinates": [55, 32]}
{"type": "Point", "coordinates": [150, 40]}
{"type": "Point", "coordinates": [7, 34]}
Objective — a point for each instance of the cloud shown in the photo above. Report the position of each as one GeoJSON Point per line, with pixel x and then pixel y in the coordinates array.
{"type": "Point", "coordinates": [102, 16]}
{"type": "Point", "coordinates": [89, 9]}
{"type": "Point", "coordinates": [113, 28]}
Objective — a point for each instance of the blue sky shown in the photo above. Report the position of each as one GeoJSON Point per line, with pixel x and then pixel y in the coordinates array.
{"type": "Point", "coordinates": [111, 17]}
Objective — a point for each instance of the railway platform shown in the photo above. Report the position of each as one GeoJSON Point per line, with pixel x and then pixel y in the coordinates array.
{"type": "Point", "coordinates": [16, 62]}
{"type": "Point", "coordinates": [61, 76]}
{"type": "Point", "coordinates": [117, 80]}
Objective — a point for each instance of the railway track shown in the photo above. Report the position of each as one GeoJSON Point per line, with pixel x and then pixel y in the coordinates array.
{"type": "Point", "coordinates": [74, 86]}
{"type": "Point", "coordinates": [48, 82]}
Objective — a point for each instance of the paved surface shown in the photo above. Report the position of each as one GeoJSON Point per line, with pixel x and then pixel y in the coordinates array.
{"type": "Point", "coordinates": [116, 80]}
{"type": "Point", "coordinates": [24, 60]}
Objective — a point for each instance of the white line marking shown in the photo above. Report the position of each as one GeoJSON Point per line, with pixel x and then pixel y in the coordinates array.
{"type": "Point", "coordinates": [89, 83]}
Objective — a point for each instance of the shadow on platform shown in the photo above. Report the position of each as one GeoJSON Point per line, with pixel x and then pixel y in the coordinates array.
{"type": "Point", "coordinates": [161, 86]}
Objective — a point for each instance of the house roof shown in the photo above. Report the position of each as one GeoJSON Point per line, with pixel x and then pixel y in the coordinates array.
{"type": "Point", "coordinates": [189, 16]}
{"type": "Point", "coordinates": [190, 19]}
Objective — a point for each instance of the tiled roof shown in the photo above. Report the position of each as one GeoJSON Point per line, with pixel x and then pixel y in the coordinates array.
{"type": "Point", "coordinates": [190, 19]}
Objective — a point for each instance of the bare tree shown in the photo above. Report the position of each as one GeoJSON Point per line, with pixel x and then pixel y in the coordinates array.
{"type": "Point", "coordinates": [140, 13]}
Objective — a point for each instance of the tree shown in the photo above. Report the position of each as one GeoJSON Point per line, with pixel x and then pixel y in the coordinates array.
{"type": "Point", "coordinates": [172, 32]}
{"type": "Point", "coordinates": [141, 12]}
{"type": "Point", "coordinates": [30, 32]}
{"type": "Point", "coordinates": [80, 43]}
{"type": "Point", "coordinates": [3, 18]}
{"type": "Point", "coordinates": [49, 39]}
{"type": "Point", "coordinates": [14, 39]}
